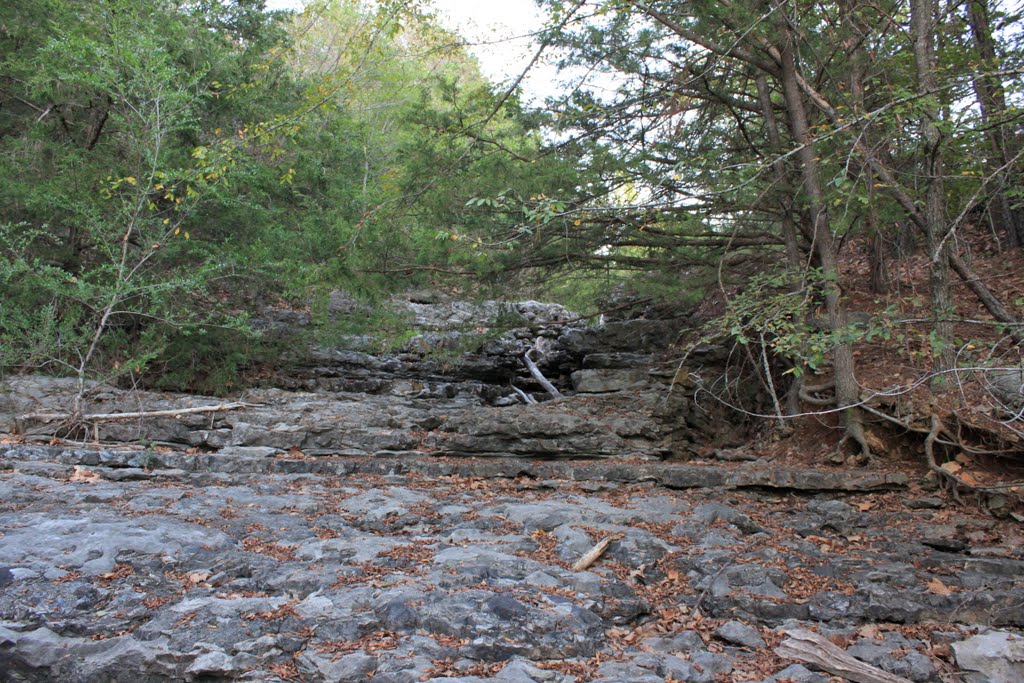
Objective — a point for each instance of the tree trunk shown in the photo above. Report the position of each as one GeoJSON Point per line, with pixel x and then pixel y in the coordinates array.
{"type": "Point", "coordinates": [992, 102]}
{"type": "Point", "coordinates": [788, 223]}
{"type": "Point", "coordinates": [855, 36]}
{"type": "Point", "coordinates": [922, 18]}
{"type": "Point", "coordinates": [825, 243]}
{"type": "Point", "coordinates": [886, 176]}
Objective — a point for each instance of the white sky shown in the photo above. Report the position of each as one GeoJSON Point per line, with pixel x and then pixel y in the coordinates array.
{"type": "Point", "coordinates": [498, 35]}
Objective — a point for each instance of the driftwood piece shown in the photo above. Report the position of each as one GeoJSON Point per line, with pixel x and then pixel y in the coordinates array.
{"type": "Point", "coordinates": [110, 417]}
{"type": "Point", "coordinates": [539, 376]}
{"type": "Point", "coordinates": [808, 647]}
{"type": "Point", "coordinates": [527, 399]}
{"type": "Point", "coordinates": [595, 553]}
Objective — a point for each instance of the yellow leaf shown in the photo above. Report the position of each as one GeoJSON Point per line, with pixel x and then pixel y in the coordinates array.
{"type": "Point", "coordinates": [130, 180]}
{"type": "Point", "coordinates": [177, 231]}
{"type": "Point", "coordinates": [167, 221]}
{"type": "Point", "coordinates": [186, 234]}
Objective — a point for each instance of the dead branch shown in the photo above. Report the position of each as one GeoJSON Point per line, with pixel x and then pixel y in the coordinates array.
{"type": "Point", "coordinates": [539, 376]}
{"type": "Point", "coordinates": [595, 553]}
{"type": "Point", "coordinates": [806, 646]}
{"type": "Point", "coordinates": [111, 417]}
{"type": "Point", "coordinates": [527, 399]}
{"type": "Point", "coordinates": [929, 454]}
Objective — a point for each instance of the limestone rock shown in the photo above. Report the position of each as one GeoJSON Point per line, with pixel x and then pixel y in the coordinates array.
{"type": "Point", "coordinates": [998, 655]}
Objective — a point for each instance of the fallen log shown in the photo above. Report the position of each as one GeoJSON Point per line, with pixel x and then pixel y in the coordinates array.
{"type": "Point", "coordinates": [595, 553]}
{"type": "Point", "coordinates": [110, 417]}
{"type": "Point", "coordinates": [539, 376]}
{"type": "Point", "coordinates": [810, 648]}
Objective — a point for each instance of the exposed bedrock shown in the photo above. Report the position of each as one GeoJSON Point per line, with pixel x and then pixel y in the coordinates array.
{"type": "Point", "coordinates": [136, 565]}
{"type": "Point", "coordinates": [458, 387]}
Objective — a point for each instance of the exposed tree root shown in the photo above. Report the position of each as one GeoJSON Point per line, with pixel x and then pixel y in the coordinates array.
{"type": "Point", "coordinates": [934, 433]}
{"type": "Point", "coordinates": [809, 394]}
{"type": "Point", "coordinates": [854, 432]}
{"type": "Point", "coordinates": [853, 424]}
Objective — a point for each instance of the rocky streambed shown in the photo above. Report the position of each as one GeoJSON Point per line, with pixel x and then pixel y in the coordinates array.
{"type": "Point", "coordinates": [134, 565]}
{"type": "Point", "coordinates": [407, 517]}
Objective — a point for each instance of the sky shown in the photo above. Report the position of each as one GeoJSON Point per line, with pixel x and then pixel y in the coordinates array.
{"type": "Point", "coordinates": [498, 34]}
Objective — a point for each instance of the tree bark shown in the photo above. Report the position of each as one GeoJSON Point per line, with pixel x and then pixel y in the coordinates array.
{"type": "Point", "coordinates": [788, 221]}
{"type": "Point", "coordinates": [923, 23]}
{"type": "Point", "coordinates": [825, 243]}
{"type": "Point", "coordinates": [885, 175]}
{"type": "Point", "coordinates": [992, 102]}
{"type": "Point", "coordinates": [856, 33]}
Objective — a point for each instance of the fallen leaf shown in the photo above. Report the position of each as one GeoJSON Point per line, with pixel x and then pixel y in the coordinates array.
{"type": "Point", "coordinates": [951, 467]}
{"type": "Point", "coordinates": [978, 537]}
{"type": "Point", "coordinates": [81, 474]}
{"type": "Point", "coordinates": [869, 631]}
{"type": "Point", "coordinates": [936, 586]}
{"type": "Point", "coordinates": [864, 507]}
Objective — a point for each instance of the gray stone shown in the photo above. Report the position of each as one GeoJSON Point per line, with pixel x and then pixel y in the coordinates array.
{"type": "Point", "coordinates": [1007, 386]}
{"type": "Point", "coordinates": [710, 513]}
{"type": "Point", "coordinates": [925, 503]}
{"type": "Point", "coordinates": [796, 673]}
{"type": "Point", "coordinates": [999, 655]}
{"type": "Point", "coordinates": [738, 633]}
{"type": "Point", "coordinates": [625, 672]}
{"type": "Point", "coordinates": [712, 663]}
{"type": "Point", "coordinates": [895, 655]}
{"type": "Point", "coordinates": [680, 669]}
{"type": "Point", "coordinates": [604, 381]}
{"type": "Point", "coordinates": [249, 451]}
{"type": "Point", "coordinates": [347, 669]}
{"type": "Point", "coordinates": [216, 662]}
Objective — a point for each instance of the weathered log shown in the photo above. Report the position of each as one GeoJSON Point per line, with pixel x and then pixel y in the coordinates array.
{"type": "Point", "coordinates": [110, 417]}
{"type": "Point", "coordinates": [539, 376]}
{"type": "Point", "coordinates": [595, 553]}
{"type": "Point", "coordinates": [808, 647]}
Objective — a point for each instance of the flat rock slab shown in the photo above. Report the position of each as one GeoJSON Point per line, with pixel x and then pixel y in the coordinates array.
{"type": "Point", "coordinates": [668, 474]}
{"type": "Point", "coordinates": [218, 568]}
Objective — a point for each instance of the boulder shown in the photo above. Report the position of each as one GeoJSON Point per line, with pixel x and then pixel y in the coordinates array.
{"type": "Point", "coordinates": [998, 655]}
